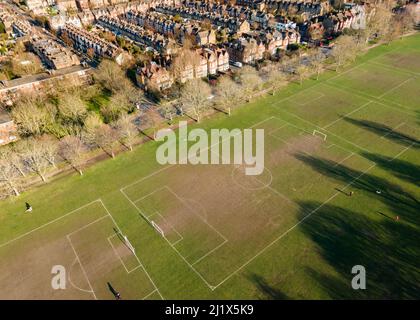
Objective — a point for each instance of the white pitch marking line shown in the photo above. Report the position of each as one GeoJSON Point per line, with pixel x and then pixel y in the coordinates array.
{"type": "Point", "coordinates": [144, 298]}
{"type": "Point", "coordinates": [395, 69]}
{"type": "Point", "coordinates": [173, 165]}
{"type": "Point", "coordinates": [402, 151]}
{"type": "Point", "coordinates": [119, 257]}
{"type": "Point", "coordinates": [208, 253]}
{"type": "Point", "coordinates": [144, 269]}
{"type": "Point", "coordinates": [290, 229]}
{"type": "Point", "coordinates": [375, 99]}
{"type": "Point", "coordinates": [331, 133]}
{"type": "Point", "coordinates": [393, 129]}
{"type": "Point", "coordinates": [71, 282]}
{"type": "Point", "coordinates": [81, 266]}
{"type": "Point", "coordinates": [46, 224]}
{"type": "Point", "coordinates": [172, 227]}
{"type": "Point", "coordinates": [87, 225]}
{"type": "Point", "coordinates": [193, 211]}
{"type": "Point", "coordinates": [347, 114]}
{"type": "Point", "coordinates": [394, 88]}
{"type": "Point", "coordinates": [312, 100]}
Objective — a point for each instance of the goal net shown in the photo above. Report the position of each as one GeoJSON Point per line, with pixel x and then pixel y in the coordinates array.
{"type": "Point", "coordinates": [129, 245]}
{"type": "Point", "coordinates": [158, 229]}
{"type": "Point", "coordinates": [320, 134]}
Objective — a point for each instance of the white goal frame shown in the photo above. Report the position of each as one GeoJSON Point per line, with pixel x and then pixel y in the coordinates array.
{"type": "Point", "coordinates": [317, 132]}
{"type": "Point", "coordinates": [129, 245]}
{"type": "Point", "coordinates": [158, 229]}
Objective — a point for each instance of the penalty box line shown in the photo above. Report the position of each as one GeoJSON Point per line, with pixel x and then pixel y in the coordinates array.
{"type": "Point", "coordinates": [166, 187]}
{"type": "Point", "coordinates": [135, 254]}
{"type": "Point", "coordinates": [119, 257]}
{"type": "Point", "coordinates": [107, 215]}
{"type": "Point", "coordinates": [170, 225]}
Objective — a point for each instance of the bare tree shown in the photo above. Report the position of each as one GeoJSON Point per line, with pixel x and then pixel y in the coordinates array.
{"type": "Point", "coordinates": [121, 101]}
{"type": "Point", "coordinates": [72, 149]}
{"type": "Point", "coordinates": [228, 93]}
{"type": "Point", "coordinates": [92, 123]}
{"type": "Point", "coordinates": [378, 21]}
{"type": "Point", "coordinates": [106, 138]}
{"type": "Point", "coordinates": [250, 81]}
{"type": "Point", "coordinates": [126, 131]}
{"type": "Point", "coordinates": [72, 108]}
{"type": "Point", "coordinates": [30, 118]}
{"type": "Point", "coordinates": [111, 76]}
{"type": "Point", "coordinates": [317, 63]}
{"type": "Point", "coordinates": [272, 74]}
{"type": "Point", "coordinates": [9, 176]}
{"type": "Point", "coordinates": [49, 146]}
{"type": "Point", "coordinates": [34, 157]}
{"type": "Point", "coordinates": [195, 97]}
{"type": "Point", "coordinates": [168, 111]}
{"type": "Point", "coordinates": [13, 155]}
{"type": "Point", "coordinates": [344, 51]}
{"type": "Point", "coordinates": [302, 72]}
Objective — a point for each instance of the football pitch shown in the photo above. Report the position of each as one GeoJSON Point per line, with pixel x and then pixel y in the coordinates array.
{"type": "Point", "coordinates": [342, 161]}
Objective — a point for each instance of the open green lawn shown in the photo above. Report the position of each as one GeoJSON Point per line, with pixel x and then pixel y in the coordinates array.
{"type": "Point", "coordinates": [292, 232]}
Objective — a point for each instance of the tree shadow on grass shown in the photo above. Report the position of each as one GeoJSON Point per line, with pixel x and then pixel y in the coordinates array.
{"type": "Point", "coordinates": [385, 132]}
{"type": "Point", "coordinates": [268, 291]}
{"type": "Point", "coordinates": [388, 250]}
{"type": "Point", "coordinates": [392, 195]}
{"type": "Point", "coordinates": [399, 168]}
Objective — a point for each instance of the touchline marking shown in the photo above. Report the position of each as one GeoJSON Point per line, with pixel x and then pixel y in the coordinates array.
{"type": "Point", "coordinates": [394, 88]}
{"type": "Point", "coordinates": [392, 130]}
{"type": "Point", "coordinates": [48, 223]}
{"type": "Point", "coordinates": [402, 151]}
{"type": "Point", "coordinates": [395, 69]}
{"type": "Point", "coordinates": [347, 114]}
{"type": "Point", "coordinates": [382, 101]}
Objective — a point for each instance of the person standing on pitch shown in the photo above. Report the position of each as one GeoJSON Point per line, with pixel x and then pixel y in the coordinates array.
{"type": "Point", "coordinates": [28, 207]}
{"type": "Point", "coordinates": [114, 292]}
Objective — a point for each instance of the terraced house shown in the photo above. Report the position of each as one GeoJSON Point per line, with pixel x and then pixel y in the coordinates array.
{"type": "Point", "coordinates": [53, 54]}
{"type": "Point", "coordinates": [84, 40]}
{"type": "Point", "coordinates": [144, 38]}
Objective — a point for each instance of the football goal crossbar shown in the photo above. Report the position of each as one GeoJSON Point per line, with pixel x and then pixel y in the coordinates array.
{"type": "Point", "coordinates": [129, 245]}
{"type": "Point", "coordinates": [158, 229]}
{"type": "Point", "coordinates": [319, 133]}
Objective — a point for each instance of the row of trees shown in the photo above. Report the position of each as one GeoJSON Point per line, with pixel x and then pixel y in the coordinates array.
{"type": "Point", "coordinates": [197, 97]}
{"type": "Point", "coordinates": [35, 156]}
{"type": "Point", "coordinates": [64, 126]}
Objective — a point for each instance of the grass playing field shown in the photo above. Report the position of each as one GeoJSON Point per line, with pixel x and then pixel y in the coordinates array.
{"type": "Point", "coordinates": [292, 232]}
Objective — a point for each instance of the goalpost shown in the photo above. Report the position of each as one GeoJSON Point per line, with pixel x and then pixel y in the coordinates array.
{"type": "Point", "coordinates": [158, 229]}
{"type": "Point", "coordinates": [319, 133]}
{"type": "Point", "coordinates": [129, 245]}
